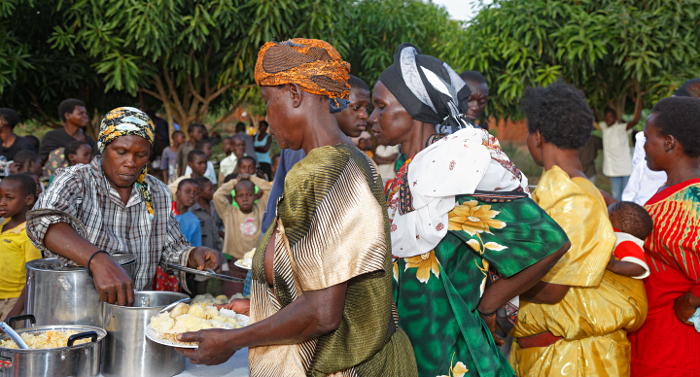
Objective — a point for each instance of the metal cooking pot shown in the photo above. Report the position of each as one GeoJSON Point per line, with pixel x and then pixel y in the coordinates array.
{"type": "Point", "coordinates": [66, 295]}
{"type": "Point", "coordinates": [82, 360]}
{"type": "Point", "coordinates": [127, 350]}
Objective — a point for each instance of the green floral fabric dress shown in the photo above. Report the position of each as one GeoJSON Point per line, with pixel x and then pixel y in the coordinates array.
{"type": "Point", "coordinates": [437, 293]}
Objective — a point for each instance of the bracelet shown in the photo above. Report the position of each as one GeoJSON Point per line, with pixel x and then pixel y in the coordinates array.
{"type": "Point", "coordinates": [90, 260]}
{"type": "Point", "coordinates": [486, 314]}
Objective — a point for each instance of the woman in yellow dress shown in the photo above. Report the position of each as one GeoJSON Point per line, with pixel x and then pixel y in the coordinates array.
{"type": "Point", "coordinates": [575, 321]}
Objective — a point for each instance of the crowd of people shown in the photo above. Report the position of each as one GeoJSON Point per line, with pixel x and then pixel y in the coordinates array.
{"type": "Point", "coordinates": [400, 241]}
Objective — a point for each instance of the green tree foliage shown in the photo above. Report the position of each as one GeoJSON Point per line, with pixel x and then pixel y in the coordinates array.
{"type": "Point", "coordinates": [34, 78]}
{"type": "Point", "coordinates": [375, 28]}
{"type": "Point", "coordinates": [184, 53]}
{"type": "Point", "coordinates": [616, 51]}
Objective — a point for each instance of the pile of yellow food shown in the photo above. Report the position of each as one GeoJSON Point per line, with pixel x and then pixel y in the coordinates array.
{"type": "Point", "coordinates": [247, 260]}
{"type": "Point", "coordinates": [44, 339]}
{"type": "Point", "coordinates": [201, 315]}
{"type": "Point", "coordinates": [208, 300]}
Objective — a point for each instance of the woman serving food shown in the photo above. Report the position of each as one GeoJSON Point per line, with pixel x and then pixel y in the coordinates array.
{"type": "Point", "coordinates": [123, 210]}
{"type": "Point", "coordinates": [321, 292]}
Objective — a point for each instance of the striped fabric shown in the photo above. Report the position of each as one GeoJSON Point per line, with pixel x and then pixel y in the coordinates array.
{"type": "Point", "coordinates": [82, 192]}
{"type": "Point", "coordinates": [332, 228]}
{"type": "Point", "coordinates": [675, 239]}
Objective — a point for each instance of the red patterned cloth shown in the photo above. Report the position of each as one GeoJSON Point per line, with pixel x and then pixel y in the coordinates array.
{"type": "Point", "coordinates": [664, 346]}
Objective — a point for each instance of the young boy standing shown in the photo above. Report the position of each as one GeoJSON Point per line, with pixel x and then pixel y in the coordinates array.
{"type": "Point", "coordinates": [168, 161]}
{"type": "Point", "coordinates": [205, 146]}
{"type": "Point", "coordinates": [17, 195]}
{"type": "Point", "coordinates": [186, 195]}
{"type": "Point", "coordinates": [197, 162]}
{"type": "Point", "coordinates": [196, 132]}
{"type": "Point", "coordinates": [241, 220]}
{"type": "Point", "coordinates": [211, 224]}
{"type": "Point", "coordinates": [228, 164]}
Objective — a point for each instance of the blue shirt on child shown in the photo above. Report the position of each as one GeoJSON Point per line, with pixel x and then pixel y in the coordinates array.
{"type": "Point", "coordinates": [189, 226]}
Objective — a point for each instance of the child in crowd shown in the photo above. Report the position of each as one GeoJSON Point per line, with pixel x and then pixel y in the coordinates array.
{"type": "Point", "coordinates": [242, 220]}
{"type": "Point", "coordinates": [77, 152]}
{"type": "Point", "coordinates": [168, 161]}
{"type": "Point", "coordinates": [28, 161]}
{"type": "Point", "coordinates": [38, 183]}
{"type": "Point", "coordinates": [632, 225]}
{"type": "Point", "coordinates": [186, 196]}
{"type": "Point", "coordinates": [197, 162]}
{"type": "Point", "coordinates": [228, 164]}
{"type": "Point", "coordinates": [275, 164]}
{"type": "Point", "coordinates": [196, 132]}
{"type": "Point", "coordinates": [211, 224]}
{"type": "Point", "coordinates": [246, 165]}
{"type": "Point", "coordinates": [17, 196]}
{"type": "Point", "coordinates": [33, 140]}
{"type": "Point", "coordinates": [205, 146]}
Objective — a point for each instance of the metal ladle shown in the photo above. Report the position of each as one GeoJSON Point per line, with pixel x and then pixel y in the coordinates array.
{"type": "Point", "coordinates": [13, 335]}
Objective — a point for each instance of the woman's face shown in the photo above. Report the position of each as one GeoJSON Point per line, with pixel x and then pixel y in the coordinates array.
{"type": "Point", "coordinates": [391, 122]}
{"type": "Point", "coordinates": [655, 145]}
{"type": "Point", "coordinates": [277, 105]}
{"type": "Point", "coordinates": [124, 158]}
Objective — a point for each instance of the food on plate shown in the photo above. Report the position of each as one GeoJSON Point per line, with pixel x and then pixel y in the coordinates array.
{"type": "Point", "coordinates": [200, 315]}
{"type": "Point", "coordinates": [247, 260]}
{"type": "Point", "coordinates": [179, 310]}
{"type": "Point", "coordinates": [211, 312]}
{"type": "Point", "coordinates": [197, 310]}
{"type": "Point", "coordinates": [44, 339]}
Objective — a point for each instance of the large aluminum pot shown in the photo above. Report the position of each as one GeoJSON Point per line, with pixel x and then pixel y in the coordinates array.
{"type": "Point", "coordinates": [66, 295]}
{"type": "Point", "coordinates": [127, 350]}
{"type": "Point", "coordinates": [82, 360]}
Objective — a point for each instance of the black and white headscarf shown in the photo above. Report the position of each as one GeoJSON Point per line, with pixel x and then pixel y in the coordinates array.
{"type": "Point", "coordinates": [427, 88]}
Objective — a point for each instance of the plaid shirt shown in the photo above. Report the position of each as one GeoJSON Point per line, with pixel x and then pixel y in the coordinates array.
{"type": "Point", "coordinates": [82, 192]}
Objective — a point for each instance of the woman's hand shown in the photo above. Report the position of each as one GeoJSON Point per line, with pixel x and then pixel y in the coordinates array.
{"type": "Point", "coordinates": [204, 257]}
{"type": "Point", "coordinates": [685, 307]}
{"type": "Point", "coordinates": [239, 305]}
{"type": "Point", "coordinates": [491, 323]}
{"type": "Point", "coordinates": [215, 346]}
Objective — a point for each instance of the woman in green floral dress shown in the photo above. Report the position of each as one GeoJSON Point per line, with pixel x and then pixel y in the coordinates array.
{"type": "Point", "coordinates": [459, 211]}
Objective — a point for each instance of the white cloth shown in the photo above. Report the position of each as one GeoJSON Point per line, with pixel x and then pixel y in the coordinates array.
{"type": "Point", "coordinates": [210, 173]}
{"type": "Point", "coordinates": [468, 160]}
{"type": "Point", "coordinates": [617, 157]}
{"type": "Point", "coordinates": [387, 171]}
{"type": "Point", "coordinates": [228, 165]}
{"type": "Point", "coordinates": [643, 182]}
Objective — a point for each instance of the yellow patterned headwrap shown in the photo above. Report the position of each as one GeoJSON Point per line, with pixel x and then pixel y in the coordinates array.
{"type": "Point", "coordinates": [125, 121]}
{"type": "Point", "coordinates": [312, 64]}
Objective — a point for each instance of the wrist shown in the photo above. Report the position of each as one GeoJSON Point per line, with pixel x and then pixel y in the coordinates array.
{"type": "Point", "coordinates": [487, 310]}
{"type": "Point", "coordinates": [97, 260]}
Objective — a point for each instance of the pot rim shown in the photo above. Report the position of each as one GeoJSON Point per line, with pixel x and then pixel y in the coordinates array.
{"type": "Point", "coordinates": [31, 265]}
{"type": "Point", "coordinates": [101, 334]}
{"type": "Point", "coordinates": [179, 294]}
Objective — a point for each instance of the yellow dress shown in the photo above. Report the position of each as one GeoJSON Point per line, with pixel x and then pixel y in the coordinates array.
{"type": "Point", "coordinates": [600, 307]}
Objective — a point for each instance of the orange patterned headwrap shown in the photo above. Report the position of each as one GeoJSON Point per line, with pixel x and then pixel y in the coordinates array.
{"type": "Point", "coordinates": [312, 64]}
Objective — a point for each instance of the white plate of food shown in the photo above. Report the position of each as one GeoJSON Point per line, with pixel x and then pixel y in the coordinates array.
{"type": "Point", "coordinates": [164, 327]}
{"type": "Point", "coordinates": [246, 262]}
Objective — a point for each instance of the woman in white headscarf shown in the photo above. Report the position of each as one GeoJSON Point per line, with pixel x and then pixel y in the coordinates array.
{"type": "Point", "coordinates": [459, 211]}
